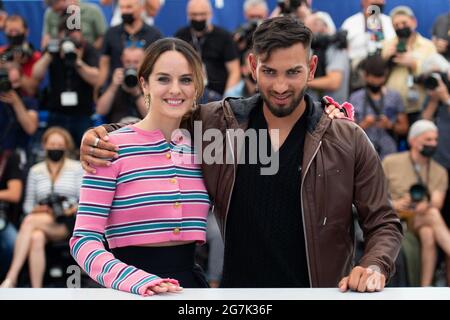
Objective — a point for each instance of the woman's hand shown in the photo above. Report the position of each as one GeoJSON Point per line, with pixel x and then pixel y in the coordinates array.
{"type": "Point", "coordinates": [164, 287]}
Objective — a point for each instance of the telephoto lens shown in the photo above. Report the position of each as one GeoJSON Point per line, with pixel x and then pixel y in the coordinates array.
{"type": "Point", "coordinates": [130, 77]}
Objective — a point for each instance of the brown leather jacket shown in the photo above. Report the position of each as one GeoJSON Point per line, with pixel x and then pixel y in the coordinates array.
{"type": "Point", "coordinates": [340, 168]}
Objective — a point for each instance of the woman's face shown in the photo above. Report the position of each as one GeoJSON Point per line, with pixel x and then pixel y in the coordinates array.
{"type": "Point", "coordinates": [55, 142]}
{"type": "Point", "coordinates": [171, 86]}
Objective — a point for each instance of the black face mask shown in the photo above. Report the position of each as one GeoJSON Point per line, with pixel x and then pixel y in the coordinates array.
{"type": "Point", "coordinates": [127, 18]}
{"type": "Point", "coordinates": [16, 40]}
{"type": "Point", "coordinates": [373, 88]}
{"type": "Point", "coordinates": [55, 155]}
{"type": "Point", "coordinates": [198, 25]}
{"type": "Point", "coordinates": [428, 151]}
{"type": "Point", "coordinates": [403, 33]}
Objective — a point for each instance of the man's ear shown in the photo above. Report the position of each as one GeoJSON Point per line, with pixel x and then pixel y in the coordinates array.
{"type": "Point", "coordinates": [312, 67]}
{"type": "Point", "coordinates": [253, 62]}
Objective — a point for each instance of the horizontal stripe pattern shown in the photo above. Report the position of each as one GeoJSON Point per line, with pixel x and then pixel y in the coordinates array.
{"type": "Point", "coordinates": [153, 192]}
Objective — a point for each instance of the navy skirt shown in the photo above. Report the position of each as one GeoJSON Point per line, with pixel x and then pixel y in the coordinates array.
{"type": "Point", "coordinates": [177, 262]}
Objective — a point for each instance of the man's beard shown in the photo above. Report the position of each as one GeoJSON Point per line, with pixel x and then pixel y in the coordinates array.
{"type": "Point", "coordinates": [281, 112]}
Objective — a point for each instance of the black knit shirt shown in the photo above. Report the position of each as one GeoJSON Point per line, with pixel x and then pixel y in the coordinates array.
{"type": "Point", "coordinates": [264, 242]}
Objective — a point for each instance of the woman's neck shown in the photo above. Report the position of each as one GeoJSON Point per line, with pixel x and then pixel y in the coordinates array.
{"type": "Point", "coordinates": [166, 125]}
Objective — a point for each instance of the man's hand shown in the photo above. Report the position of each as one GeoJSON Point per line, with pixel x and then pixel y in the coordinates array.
{"type": "Point", "coordinates": [402, 204]}
{"type": "Point", "coordinates": [41, 209]}
{"type": "Point", "coordinates": [11, 97]}
{"type": "Point", "coordinates": [363, 280]}
{"type": "Point", "coordinates": [406, 60]}
{"type": "Point", "coordinates": [384, 122]}
{"type": "Point", "coordinates": [118, 77]}
{"type": "Point", "coordinates": [368, 121]}
{"type": "Point", "coordinates": [441, 45]}
{"type": "Point", "coordinates": [95, 155]}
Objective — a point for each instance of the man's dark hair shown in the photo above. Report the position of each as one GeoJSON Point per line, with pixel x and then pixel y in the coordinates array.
{"type": "Point", "coordinates": [280, 32]}
{"type": "Point", "coordinates": [375, 65]}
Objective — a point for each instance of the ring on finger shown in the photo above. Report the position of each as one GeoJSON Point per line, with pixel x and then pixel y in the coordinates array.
{"type": "Point", "coordinates": [97, 140]}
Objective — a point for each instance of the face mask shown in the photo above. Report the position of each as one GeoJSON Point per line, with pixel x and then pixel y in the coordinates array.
{"type": "Point", "coordinates": [198, 25]}
{"type": "Point", "coordinates": [16, 40]}
{"type": "Point", "coordinates": [428, 151]}
{"type": "Point", "coordinates": [55, 155]}
{"type": "Point", "coordinates": [374, 89]}
{"type": "Point", "coordinates": [403, 33]}
{"type": "Point", "coordinates": [127, 18]}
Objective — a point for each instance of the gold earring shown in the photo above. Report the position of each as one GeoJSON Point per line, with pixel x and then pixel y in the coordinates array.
{"type": "Point", "coordinates": [147, 101]}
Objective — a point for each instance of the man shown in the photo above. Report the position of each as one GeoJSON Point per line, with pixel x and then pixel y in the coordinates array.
{"type": "Point", "coordinates": [73, 73]}
{"type": "Point", "coordinates": [418, 185]}
{"type": "Point", "coordinates": [18, 115]}
{"type": "Point", "coordinates": [151, 9]}
{"type": "Point", "coordinates": [292, 228]}
{"type": "Point", "coordinates": [379, 110]}
{"type": "Point", "coordinates": [441, 34]}
{"type": "Point", "coordinates": [333, 72]}
{"type": "Point", "coordinates": [407, 52]}
{"type": "Point", "coordinates": [366, 31]}
{"type": "Point", "coordinates": [215, 46]}
{"type": "Point", "coordinates": [123, 97]}
{"type": "Point", "coordinates": [20, 51]}
{"type": "Point", "coordinates": [91, 17]}
{"type": "Point", "coordinates": [131, 32]}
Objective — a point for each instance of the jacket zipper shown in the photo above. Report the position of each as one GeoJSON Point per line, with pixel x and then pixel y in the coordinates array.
{"type": "Point", "coordinates": [232, 187]}
{"type": "Point", "coordinates": [303, 212]}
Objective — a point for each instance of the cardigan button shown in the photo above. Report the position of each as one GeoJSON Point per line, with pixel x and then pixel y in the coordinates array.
{"type": "Point", "coordinates": [176, 231]}
{"type": "Point", "coordinates": [168, 155]}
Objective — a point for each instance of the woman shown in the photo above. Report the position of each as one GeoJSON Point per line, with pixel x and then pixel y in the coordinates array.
{"type": "Point", "coordinates": [56, 178]}
{"type": "Point", "coordinates": [150, 202]}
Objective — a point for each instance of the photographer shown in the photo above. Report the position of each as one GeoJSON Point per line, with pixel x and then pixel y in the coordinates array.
{"type": "Point", "coordinates": [10, 192]}
{"type": "Point", "coordinates": [406, 53]}
{"type": "Point", "coordinates": [18, 116]}
{"type": "Point", "coordinates": [418, 185]}
{"type": "Point", "coordinates": [333, 70]}
{"type": "Point", "coordinates": [72, 65]}
{"type": "Point", "coordinates": [255, 11]}
{"type": "Point", "coordinates": [437, 108]}
{"type": "Point", "coordinates": [20, 51]}
{"type": "Point", "coordinates": [123, 98]}
{"type": "Point", "coordinates": [50, 204]}
{"type": "Point", "coordinates": [379, 110]}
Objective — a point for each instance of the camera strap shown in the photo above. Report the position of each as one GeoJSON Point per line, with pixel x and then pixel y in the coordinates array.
{"type": "Point", "coordinates": [369, 101]}
{"type": "Point", "coordinates": [417, 172]}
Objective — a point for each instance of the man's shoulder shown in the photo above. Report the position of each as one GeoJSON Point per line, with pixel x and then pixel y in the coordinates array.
{"type": "Point", "coordinates": [219, 31]}
{"type": "Point", "coordinates": [149, 30]}
{"type": "Point", "coordinates": [352, 20]}
{"type": "Point", "coordinates": [438, 169]}
{"type": "Point", "coordinates": [396, 158]}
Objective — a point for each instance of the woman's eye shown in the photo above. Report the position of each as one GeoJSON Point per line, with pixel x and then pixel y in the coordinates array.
{"type": "Point", "coordinates": [163, 79]}
{"type": "Point", "coordinates": [186, 80]}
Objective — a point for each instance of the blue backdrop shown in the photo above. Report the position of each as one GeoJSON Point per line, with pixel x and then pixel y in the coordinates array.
{"type": "Point", "coordinates": [228, 13]}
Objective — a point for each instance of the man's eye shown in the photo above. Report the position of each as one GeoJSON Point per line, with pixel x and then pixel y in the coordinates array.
{"type": "Point", "coordinates": [293, 72]}
{"type": "Point", "coordinates": [267, 71]}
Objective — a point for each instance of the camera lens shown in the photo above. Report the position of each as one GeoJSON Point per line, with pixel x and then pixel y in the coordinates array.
{"type": "Point", "coordinates": [130, 77]}
{"type": "Point", "coordinates": [418, 192]}
{"type": "Point", "coordinates": [430, 82]}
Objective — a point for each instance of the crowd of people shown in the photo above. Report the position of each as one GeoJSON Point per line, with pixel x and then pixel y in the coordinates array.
{"type": "Point", "coordinates": [397, 80]}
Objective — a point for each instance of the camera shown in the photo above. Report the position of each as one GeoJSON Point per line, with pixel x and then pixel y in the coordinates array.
{"type": "Point", "coordinates": [56, 202]}
{"type": "Point", "coordinates": [5, 84]}
{"type": "Point", "coordinates": [401, 45]}
{"type": "Point", "coordinates": [418, 192]}
{"type": "Point", "coordinates": [431, 81]}
{"type": "Point", "coordinates": [130, 77]}
{"type": "Point", "coordinates": [244, 35]}
{"type": "Point", "coordinates": [23, 51]}
{"type": "Point", "coordinates": [68, 48]}
{"type": "Point", "coordinates": [289, 6]}
{"type": "Point", "coordinates": [323, 41]}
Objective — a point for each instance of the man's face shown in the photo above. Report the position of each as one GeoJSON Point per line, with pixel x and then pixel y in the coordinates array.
{"type": "Point", "coordinates": [367, 3]}
{"type": "Point", "coordinates": [60, 6]}
{"type": "Point", "coordinates": [14, 28]}
{"type": "Point", "coordinates": [132, 58]}
{"type": "Point", "coordinates": [257, 12]}
{"type": "Point", "coordinates": [199, 10]}
{"type": "Point", "coordinates": [429, 138]}
{"type": "Point", "coordinates": [401, 21]}
{"type": "Point", "coordinates": [130, 7]}
{"type": "Point", "coordinates": [282, 79]}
